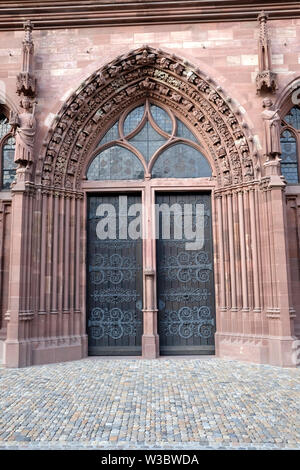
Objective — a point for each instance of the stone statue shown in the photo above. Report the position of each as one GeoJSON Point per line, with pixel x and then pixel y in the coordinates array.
{"type": "Point", "coordinates": [272, 122]}
{"type": "Point", "coordinates": [24, 124]}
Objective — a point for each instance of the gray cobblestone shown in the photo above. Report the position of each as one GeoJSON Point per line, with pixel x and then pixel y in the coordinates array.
{"type": "Point", "coordinates": [157, 404]}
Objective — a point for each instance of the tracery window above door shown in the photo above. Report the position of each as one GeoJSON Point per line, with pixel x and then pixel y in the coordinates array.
{"type": "Point", "coordinates": [148, 140]}
{"type": "Point", "coordinates": [290, 145]}
{"type": "Point", "coordinates": [7, 151]}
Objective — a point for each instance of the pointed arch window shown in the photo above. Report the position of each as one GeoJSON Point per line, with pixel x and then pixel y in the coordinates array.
{"type": "Point", "coordinates": [7, 151]}
{"type": "Point", "coordinates": [290, 145]}
{"type": "Point", "coordinates": [148, 141]}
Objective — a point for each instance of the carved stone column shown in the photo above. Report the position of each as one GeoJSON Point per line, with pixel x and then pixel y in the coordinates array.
{"type": "Point", "coordinates": [17, 347]}
{"type": "Point", "coordinates": [279, 310]}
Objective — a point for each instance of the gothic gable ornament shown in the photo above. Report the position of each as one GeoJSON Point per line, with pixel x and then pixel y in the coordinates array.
{"type": "Point", "coordinates": [165, 79]}
{"type": "Point", "coordinates": [265, 79]}
{"type": "Point", "coordinates": [24, 122]}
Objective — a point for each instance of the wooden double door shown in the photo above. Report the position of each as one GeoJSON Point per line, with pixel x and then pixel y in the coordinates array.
{"type": "Point", "coordinates": [184, 273]}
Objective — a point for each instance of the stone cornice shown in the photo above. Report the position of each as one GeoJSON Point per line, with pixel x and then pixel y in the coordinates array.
{"type": "Point", "coordinates": [62, 14]}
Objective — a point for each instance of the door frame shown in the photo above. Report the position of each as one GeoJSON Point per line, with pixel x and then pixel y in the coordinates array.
{"type": "Point", "coordinates": [148, 189]}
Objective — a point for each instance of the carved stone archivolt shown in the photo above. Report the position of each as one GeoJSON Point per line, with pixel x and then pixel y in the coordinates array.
{"type": "Point", "coordinates": [165, 79]}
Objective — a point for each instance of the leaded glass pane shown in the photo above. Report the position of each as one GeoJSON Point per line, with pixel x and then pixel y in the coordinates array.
{"type": "Point", "coordinates": [147, 141]}
{"type": "Point", "coordinates": [133, 119]}
{"type": "Point", "coordinates": [115, 163]}
{"type": "Point", "coordinates": [111, 134]}
{"type": "Point", "coordinates": [289, 157]}
{"type": "Point", "coordinates": [5, 127]}
{"type": "Point", "coordinates": [293, 117]}
{"type": "Point", "coordinates": [161, 118]}
{"type": "Point", "coordinates": [8, 164]}
{"type": "Point", "coordinates": [184, 132]}
{"type": "Point", "coordinates": [181, 161]}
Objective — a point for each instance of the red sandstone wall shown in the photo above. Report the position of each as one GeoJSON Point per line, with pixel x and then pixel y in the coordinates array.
{"type": "Point", "coordinates": [225, 51]}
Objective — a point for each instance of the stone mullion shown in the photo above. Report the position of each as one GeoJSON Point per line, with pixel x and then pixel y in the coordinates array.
{"type": "Point", "coordinates": [150, 338]}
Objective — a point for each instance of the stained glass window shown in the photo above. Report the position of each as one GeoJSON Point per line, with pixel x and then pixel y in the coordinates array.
{"type": "Point", "coordinates": [181, 161]}
{"type": "Point", "coordinates": [7, 148]}
{"type": "Point", "coordinates": [154, 135]}
{"type": "Point", "coordinates": [115, 163]}
{"type": "Point", "coordinates": [289, 162]}
{"type": "Point", "coordinates": [161, 118]}
{"type": "Point", "coordinates": [133, 120]}
{"type": "Point", "coordinates": [183, 131]}
{"type": "Point", "coordinates": [293, 118]}
{"type": "Point", "coordinates": [290, 146]}
{"type": "Point", "coordinates": [147, 141]}
{"type": "Point", "coordinates": [111, 134]}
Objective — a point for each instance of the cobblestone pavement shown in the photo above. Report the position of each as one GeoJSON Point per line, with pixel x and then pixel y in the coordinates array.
{"type": "Point", "coordinates": [158, 404]}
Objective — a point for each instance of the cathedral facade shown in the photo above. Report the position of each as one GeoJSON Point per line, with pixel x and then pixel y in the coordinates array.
{"type": "Point", "coordinates": [149, 193]}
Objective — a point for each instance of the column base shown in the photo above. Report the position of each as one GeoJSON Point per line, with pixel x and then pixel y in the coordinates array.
{"type": "Point", "coordinates": [17, 353]}
{"type": "Point", "coordinates": [150, 346]}
{"type": "Point", "coordinates": [44, 351]}
{"type": "Point", "coordinates": [276, 351]}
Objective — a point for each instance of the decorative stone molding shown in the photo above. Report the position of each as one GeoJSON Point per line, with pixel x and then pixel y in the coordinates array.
{"type": "Point", "coordinates": [164, 78]}
{"type": "Point", "coordinates": [265, 79]}
{"type": "Point", "coordinates": [128, 12]}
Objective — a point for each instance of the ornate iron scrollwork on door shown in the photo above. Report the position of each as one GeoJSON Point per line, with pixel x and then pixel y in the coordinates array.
{"type": "Point", "coordinates": [114, 320]}
{"type": "Point", "coordinates": [188, 322]}
{"type": "Point", "coordinates": [186, 284]}
{"type": "Point", "coordinates": [114, 323]}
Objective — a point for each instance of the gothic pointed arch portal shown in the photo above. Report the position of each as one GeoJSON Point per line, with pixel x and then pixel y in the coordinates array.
{"type": "Point", "coordinates": [253, 308]}
{"type": "Point", "coordinates": [145, 77]}
{"type": "Point", "coordinates": [165, 78]}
